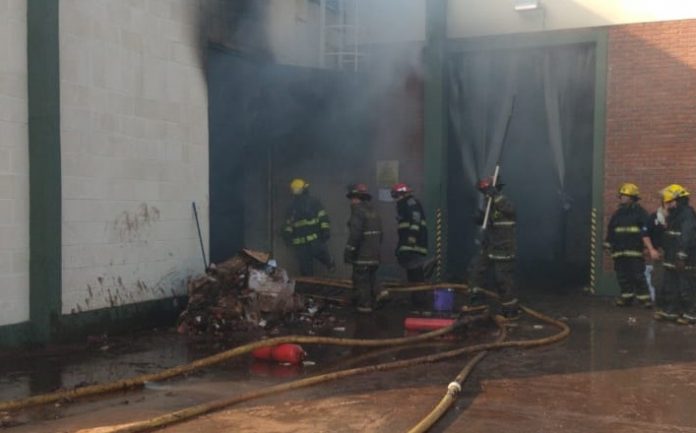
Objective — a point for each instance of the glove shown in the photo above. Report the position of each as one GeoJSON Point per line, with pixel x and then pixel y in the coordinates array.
{"type": "Point", "coordinates": [491, 192]}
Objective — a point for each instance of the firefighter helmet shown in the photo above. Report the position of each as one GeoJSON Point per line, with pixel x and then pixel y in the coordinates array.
{"type": "Point", "coordinates": [298, 186]}
{"type": "Point", "coordinates": [629, 190]}
{"type": "Point", "coordinates": [358, 190]}
{"type": "Point", "coordinates": [674, 192]}
{"type": "Point", "coordinates": [484, 184]}
{"type": "Point", "coordinates": [399, 189]}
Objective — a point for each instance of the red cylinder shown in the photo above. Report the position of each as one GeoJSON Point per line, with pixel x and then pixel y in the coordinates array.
{"type": "Point", "coordinates": [265, 352]}
{"type": "Point", "coordinates": [426, 323]}
{"type": "Point", "coordinates": [290, 353]}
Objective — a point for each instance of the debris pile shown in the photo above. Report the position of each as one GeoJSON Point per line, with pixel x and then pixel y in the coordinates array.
{"type": "Point", "coordinates": [242, 293]}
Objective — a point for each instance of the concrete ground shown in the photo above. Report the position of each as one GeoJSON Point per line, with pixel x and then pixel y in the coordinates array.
{"type": "Point", "coordinates": [618, 372]}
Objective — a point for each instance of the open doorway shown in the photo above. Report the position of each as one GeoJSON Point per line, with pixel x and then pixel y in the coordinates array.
{"type": "Point", "coordinates": [270, 123]}
{"type": "Point", "coordinates": [546, 160]}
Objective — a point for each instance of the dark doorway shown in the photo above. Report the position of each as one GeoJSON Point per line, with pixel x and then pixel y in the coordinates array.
{"type": "Point", "coordinates": [546, 160]}
{"type": "Point", "coordinates": [269, 123]}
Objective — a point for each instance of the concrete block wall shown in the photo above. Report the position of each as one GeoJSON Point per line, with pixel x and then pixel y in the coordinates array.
{"type": "Point", "coordinates": [14, 164]}
{"type": "Point", "coordinates": [651, 114]}
{"type": "Point", "coordinates": [134, 150]}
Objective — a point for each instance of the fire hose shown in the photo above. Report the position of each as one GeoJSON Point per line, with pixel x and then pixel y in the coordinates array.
{"type": "Point", "coordinates": [195, 411]}
{"type": "Point", "coordinates": [202, 409]}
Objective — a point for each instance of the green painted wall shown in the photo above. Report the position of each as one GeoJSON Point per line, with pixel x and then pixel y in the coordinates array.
{"type": "Point", "coordinates": [44, 166]}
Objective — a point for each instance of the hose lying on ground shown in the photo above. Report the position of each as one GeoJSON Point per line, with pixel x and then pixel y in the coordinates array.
{"type": "Point", "coordinates": [202, 409]}
{"type": "Point", "coordinates": [454, 388]}
{"type": "Point", "coordinates": [139, 381]}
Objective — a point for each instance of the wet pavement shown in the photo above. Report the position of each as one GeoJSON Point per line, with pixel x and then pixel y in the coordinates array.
{"type": "Point", "coordinates": [619, 371]}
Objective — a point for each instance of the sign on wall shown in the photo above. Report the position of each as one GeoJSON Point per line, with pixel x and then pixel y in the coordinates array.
{"type": "Point", "coordinates": [387, 175]}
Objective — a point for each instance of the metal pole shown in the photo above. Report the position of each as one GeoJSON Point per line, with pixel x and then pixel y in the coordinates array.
{"type": "Point", "coordinates": [200, 236]}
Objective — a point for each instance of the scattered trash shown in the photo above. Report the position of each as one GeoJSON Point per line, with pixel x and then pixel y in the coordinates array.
{"type": "Point", "coordinates": [340, 329]}
{"type": "Point", "coordinates": [632, 320]}
{"type": "Point", "coordinates": [538, 327]}
{"type": "Point", "coordinates": [308, 363]}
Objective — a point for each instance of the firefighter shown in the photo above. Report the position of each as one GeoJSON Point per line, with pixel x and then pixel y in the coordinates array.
{"type": "Point", "coordinates": [363, 246]}
{"type": "Point", "coordinates": [679, 285]}
{"type": "Point", "coordinates": [627, 236]}
{"type": "Point", "coordinates": [307, 229]}
{"type": "Point", "coordinates": [412, 247]}
{"type": "Point", "coordinates": [496, 260]}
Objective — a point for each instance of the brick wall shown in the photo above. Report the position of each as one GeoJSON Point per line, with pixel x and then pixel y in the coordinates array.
{"type": "Point", "coordinates": [651, 109]}
{"type": "Point", "coordinates": [14, 165]}
{"type": "Point", "coordinates": [134, 150]}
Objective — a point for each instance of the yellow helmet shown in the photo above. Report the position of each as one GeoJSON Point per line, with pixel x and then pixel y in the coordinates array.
{"type": "Point", "coordinates": [673, 192]}
{"type": "Point", "coordinates": [297, 186]}
{"type": "Point", "coordinates": [629, 189]}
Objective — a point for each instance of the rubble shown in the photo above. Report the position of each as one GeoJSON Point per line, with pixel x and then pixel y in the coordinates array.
{"type": "Point", "coordinates": [247, 292]}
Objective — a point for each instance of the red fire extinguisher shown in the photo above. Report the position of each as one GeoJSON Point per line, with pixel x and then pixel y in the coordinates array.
{"type": "Point", "coordinates": [290, 353]}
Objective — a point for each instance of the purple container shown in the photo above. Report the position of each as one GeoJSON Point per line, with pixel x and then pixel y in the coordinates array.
{"type": "Point", "coordinates": [443, 300]}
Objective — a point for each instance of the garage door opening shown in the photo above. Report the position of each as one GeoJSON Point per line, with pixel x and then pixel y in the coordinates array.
{"type": "Point", "coordinates": [546, 160]}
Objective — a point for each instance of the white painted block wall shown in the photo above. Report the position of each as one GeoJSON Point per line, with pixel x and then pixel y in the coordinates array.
{"type": "Point", "coordinates": [14, 164]}
{"type": "Point", "coordinates": [134, 137]}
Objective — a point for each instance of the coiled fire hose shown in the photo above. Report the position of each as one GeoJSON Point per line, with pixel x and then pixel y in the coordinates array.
{"type": "Point", "coordinates": [189, 413]}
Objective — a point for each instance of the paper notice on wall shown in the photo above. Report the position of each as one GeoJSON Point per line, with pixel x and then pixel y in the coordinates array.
{"type": "Point", "coordinates": [384, 195]}
{"type": "Point", "coordinates": [387, 175]}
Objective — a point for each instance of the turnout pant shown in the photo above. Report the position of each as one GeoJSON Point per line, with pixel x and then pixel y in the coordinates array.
{"type": "Point", "coordinates": [365, 284]}
{"type": "Point", "coordinates": [501, 274]}
{"type": "Point", "coordinates": [630, 273]}
{"type": "Point", "coordinates": [415, 273]}
{"type": "Point", "coordinates": [306, 254]}
{"type": "Point", "coordinates": [678, 294]}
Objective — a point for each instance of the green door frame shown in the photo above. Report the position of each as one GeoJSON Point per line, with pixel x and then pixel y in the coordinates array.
{"type": "Point", "coordinates": [435, 128]}
{"type": "Point", "coordinates": [600, 282]}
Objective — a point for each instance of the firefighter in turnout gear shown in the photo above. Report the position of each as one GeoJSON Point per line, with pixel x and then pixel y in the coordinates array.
{"type": "Point", "coordinates": [678, 300]}
{"type": "Point", "coordinates": [627, 236]}
{"type": "Point", "coordinates": [496, 261]}
{"type": "Point", "coordinates": [363, 246]}
{"type": "Point", "coordinates": [307, 229]}
{"type": "Point", "coordinates": [412, 248]}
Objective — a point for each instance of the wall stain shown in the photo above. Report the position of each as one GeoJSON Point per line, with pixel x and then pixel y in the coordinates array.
{"type": "Point", "coordinates": [128, 225]}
